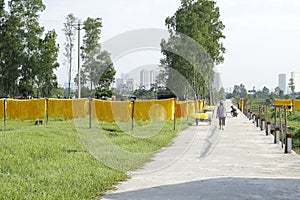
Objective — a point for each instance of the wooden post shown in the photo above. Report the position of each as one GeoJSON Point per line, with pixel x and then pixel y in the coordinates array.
{"type": "Point", "coordinates": [267, 112]}
{"type": "Point", "coordinates": [263, 125]}
{"type": "Point", "coordinates": [287, 136]}
{"type": "Point", "coordinates": [90, 111]}
{"type": "Point", "coordinates": [261, 118]}
{"type": "Point", "coordinates": [280, 124]}
{"type": "Point", "coordinates": [267, 120]}
{"type": "Point", "coordinates": [175, 114]}
{"type": "Point", "coordinates": [4, 113]}
{"type": "Point", "coordinates": [47, 114]}
{"type": "Point", "coordinates": [132, 116]}
{"type": "Point", "coordinates": [275, 124]}
{"type": "Point", "coordinates": [188, 107]}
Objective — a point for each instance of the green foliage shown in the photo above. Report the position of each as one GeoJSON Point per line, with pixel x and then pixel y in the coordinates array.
{"type": "Point", "coordinates": [57, 92]}
{"type": "Point", "coordinates": [106, 73]}
{"type": "Point", "coordinates": [45, 78]}
{"type": "Point", "coordinates": [292, 85]}
{"type": "Point", "coordinates": [239, 91]}
{"type": "Point", "coordinates": [142, 93]}
{"type": "Point", "coordinates": [97, 67]}
{"type": "Point", "coordinates": [91, 38]}
{"type": "Point", "coordinates": [293, 121]}
{"type": "Point", "coordinates": [219, 95]}
{"type": "Point", "coordinates": [265, 92]}
{"type": "Point", "coordinates": [278, 93]}
{"type": "Point", "coordinates": [193, 48]}
{"type": "Point", "coordinates": [23, 55]}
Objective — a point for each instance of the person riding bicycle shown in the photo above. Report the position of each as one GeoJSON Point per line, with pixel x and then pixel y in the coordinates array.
{"type": "Point", "coordinates": [233, 111]}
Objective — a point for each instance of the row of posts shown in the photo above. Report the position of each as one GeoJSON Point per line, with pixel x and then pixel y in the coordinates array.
{"type": "Point", "coordinates": [260, 117]}
{"type": "Point", "coordinates": [90, 113]}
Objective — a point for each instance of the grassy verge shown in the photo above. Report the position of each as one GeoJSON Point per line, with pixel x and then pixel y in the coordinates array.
{"type": "Point", "coordinates": [51, 162]}
{"type": "Point", "coordinates": [293, 121]}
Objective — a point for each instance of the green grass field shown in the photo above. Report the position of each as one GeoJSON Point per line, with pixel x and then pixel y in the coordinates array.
{"type": "Point", "coordinates": [293, 122]}
{"type": "Point", "coordinates": [58, 162]}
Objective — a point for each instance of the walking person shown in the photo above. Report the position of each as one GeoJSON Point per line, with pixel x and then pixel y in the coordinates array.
{"type": "Point", "coordinates": [221, 114]}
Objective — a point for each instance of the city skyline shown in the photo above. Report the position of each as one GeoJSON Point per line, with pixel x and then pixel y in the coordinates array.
{"type": "Point", "coordinates": [283, 82]}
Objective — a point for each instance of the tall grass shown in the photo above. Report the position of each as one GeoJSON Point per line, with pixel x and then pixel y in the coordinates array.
{"type": "Point", "coordinates": [52, 162]}
{"type": "Point", "coordinates": [294, 123]}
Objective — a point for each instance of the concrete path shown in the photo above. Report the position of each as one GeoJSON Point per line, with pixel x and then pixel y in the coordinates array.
{"type": "Point", "coordinates": [240, 162]}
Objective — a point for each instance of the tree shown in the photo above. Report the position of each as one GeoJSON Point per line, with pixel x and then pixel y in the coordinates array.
{"type": "Point", "coordinates": [265, 93]}
{"type": "Point", "coordinates": [107, 74]}
{"type": "Point", "coordinates": [11, 48]}
{"type": "Point", "coordinates": [142, 93]}
{"type": "Point", "coordinates": [97, 67]}
{"type": "Point", "coordinates": [278, 92]}
{"type": "Point", "coordinates": [90, 49]}
{"type": "Point", "coordinates": [21, 46]}
{"type": "Point", "coordinates": [45, 77]}
{"type": "Point", "coordinates": [2, 18]}
{"type": "Point", "coordinates": [239, 91]}
{"type": "Point", "coordinates": [29, 11]}
{"type": "Point", "coordinates": [221, 94]}
{"type": "Point", "coordinates": [292, 86]}
{"type": "Point", "coordinates": [200, 21]}
{"type": "Point", "coordinates": [2, 11]}
{"type": "Point", "coordinates": [70, 33]}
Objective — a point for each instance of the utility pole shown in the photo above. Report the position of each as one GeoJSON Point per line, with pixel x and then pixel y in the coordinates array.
{"type": "Point", "coordinates": [78, 27]}
{"type": "Point", "coordinates": [70, 70]}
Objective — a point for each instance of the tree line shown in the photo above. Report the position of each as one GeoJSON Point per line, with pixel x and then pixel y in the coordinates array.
{"type": "Point", "coordinates": [28, 54]}
{"type": "Point", "coordinates": [240, 91]}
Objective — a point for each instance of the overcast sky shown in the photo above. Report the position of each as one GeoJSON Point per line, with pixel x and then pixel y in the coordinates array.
{"type": "Point", "coordinates": [262, 36]}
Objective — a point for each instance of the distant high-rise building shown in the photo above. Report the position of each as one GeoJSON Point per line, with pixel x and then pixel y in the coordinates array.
{"type": "Point", "coordinates": [217, 82]}
{"type": "Point", "coordinates": [153, 75]}
{"type": "Point", "coordinates": [72, 85]}
{"type": "Point", "coordinates": [296, 77]}
{"type": "Point", "coordinates": [145, 79]}
{"type": "Point", "coordinates": [142, 77]}
{"type": "Point", "coordinates": [125, 76]}
{"type": "Point", "coordinates": [130, 84]}
{"type": "Point", "coordinates": [282, 82]}
{"type": "Point", "coordinates": [119, 82]}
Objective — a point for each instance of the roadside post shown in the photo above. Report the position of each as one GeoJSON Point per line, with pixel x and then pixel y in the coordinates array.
{"type": "Point", "coordinates": [132, 115]}
{"type": "Point", "coordinates": [288, 137]}
{"type": "Point", "coordinates": [90, 112]}
{"type": "Point", "coordinates": [276, 128]}
{"type": "Point", "coordinates": [47, 111]}
{"type": "Point", "coordinates": [174, 113]}
{"type": "Point", "coordinates": [4, 113]}
{"type": "Point", "coordinates": [268, 127]}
